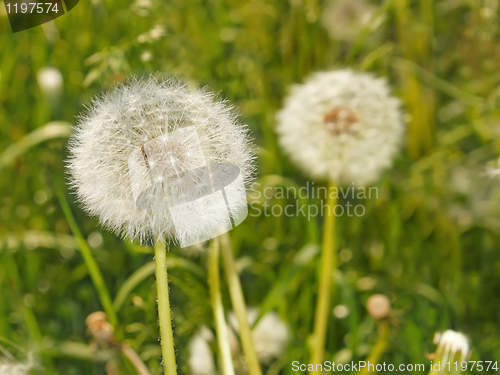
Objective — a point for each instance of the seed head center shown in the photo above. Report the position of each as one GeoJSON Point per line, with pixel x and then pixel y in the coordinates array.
{"type": "Point", "coordinates": [167, 157]}
{"type": "Point", "coordinates": [341, 120]}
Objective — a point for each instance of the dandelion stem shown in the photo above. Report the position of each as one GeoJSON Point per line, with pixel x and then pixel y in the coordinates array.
{"type": "Point", "coordinates": [239, 306]}
{"type": "Point", "coordinates": [167, 338]}
{"type": "Point", "coordinates": [134, 358]}
{"type": "Point", "coordinates": [218, 309]}
{"type": "Point", "coordinates": [90, 262]}
{"type": "Point", "coordinates": [378, 347]}
{"type": "Point", "coordinates": [328, 264]}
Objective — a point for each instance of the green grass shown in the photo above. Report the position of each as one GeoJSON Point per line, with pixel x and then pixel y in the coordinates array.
{"type": "Point", "coordinates": [430, 241]}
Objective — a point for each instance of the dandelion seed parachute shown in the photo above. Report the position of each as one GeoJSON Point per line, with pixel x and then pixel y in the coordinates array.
{"type": "Point", "coordinates": [343, 126]}
{"type": "Point", "coordinates": [156, 129]}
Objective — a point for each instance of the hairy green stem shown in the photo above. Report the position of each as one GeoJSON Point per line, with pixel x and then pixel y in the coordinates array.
{"type": "Point", "coordinates": [90, 262]}
{"type": "Point", "coordinates": [328, 265]}
{"type": "Point", "coordinates": [167, 337]}
{"type": "Point", "coordinates": [218, 309]}
{"type": "Point", "coordinates": [239, 306]}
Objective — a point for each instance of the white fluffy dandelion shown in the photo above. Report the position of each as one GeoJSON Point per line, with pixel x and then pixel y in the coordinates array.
{"type": "Point", "coordinates": [144, 158]}
{"type": "Point", "coordinates": [451, 344]}
{"type": "Point", "coordinates": [343, 126]}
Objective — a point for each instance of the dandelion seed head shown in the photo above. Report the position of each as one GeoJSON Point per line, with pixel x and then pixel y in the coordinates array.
{"type": "Point", "coordinates": [341, 311]}
{"type": "Point", "coordinates": [342, 125]}
{"type": "Point", "coordinates": [378, 306]}
{"type": "Point", "coordinates": [345, 19]}
{"type": "Point", "coordinates": [451, 343]}
{"type": "Point", "coordinates": [154, 129]}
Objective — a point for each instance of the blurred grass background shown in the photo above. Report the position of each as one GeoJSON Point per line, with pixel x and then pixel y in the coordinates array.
{"type": "Point", "coordinates": [430, 242]}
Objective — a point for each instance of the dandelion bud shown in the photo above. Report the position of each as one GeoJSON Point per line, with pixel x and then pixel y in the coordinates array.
{"type": "Point", "coordinates": [99, 328]}
{"type": "Point", "coordinates": [155, 157]}
{"type": "Point", "coordinates": [378, 306]}
{"type": "Point", "coordinates": [342, 126]}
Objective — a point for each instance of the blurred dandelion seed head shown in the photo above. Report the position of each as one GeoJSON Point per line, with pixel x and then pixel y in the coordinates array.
{"type": "Point", "coordinates": [201, 360]}
{"type": "Point", "coordinates": [10, 366]}
{"type": "Point", "coordinates": [153, 35]}
{"type": "Point", "coordinates": [494, 172]}
{"type": "Point", "coordinates": [342, 125]}
{"type": "Point", "coordinates": [270, 337]}
{"type": "Point", "coordinates": [451, 344]}
{"type": "Point", "coordinates": [95, 239]}
{"type": "Point", "coordinates": [169, 127]}
{"type": "Point", "coordinates": [341, 311]}
{"type": "Point", "coordinates": [146, 56]}
{"type": "Point", "coordinates": [344, 19]}
{"type": "Point", "coordinates": [378, 306]}
{"type": "Point", "coordinates": [50, 81]}
{"type": "Point", "coordinates": [142, 7]}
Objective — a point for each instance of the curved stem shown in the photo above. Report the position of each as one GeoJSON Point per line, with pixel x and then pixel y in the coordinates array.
{"type": "Point", "coordinates": [134, 358]}
{"type": "Point", "coordinates": [325, 281]}
{"type": "Point", "coordinates": [90, 262]}
{"type": "Point", "coordinates": [378, 347]}
{"type": "Point", "coordinates": [239, 306]}
{"type": "Point", "coordinates": [218, 309]}
{"type": "Point", "coordinates": [167, 337]}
